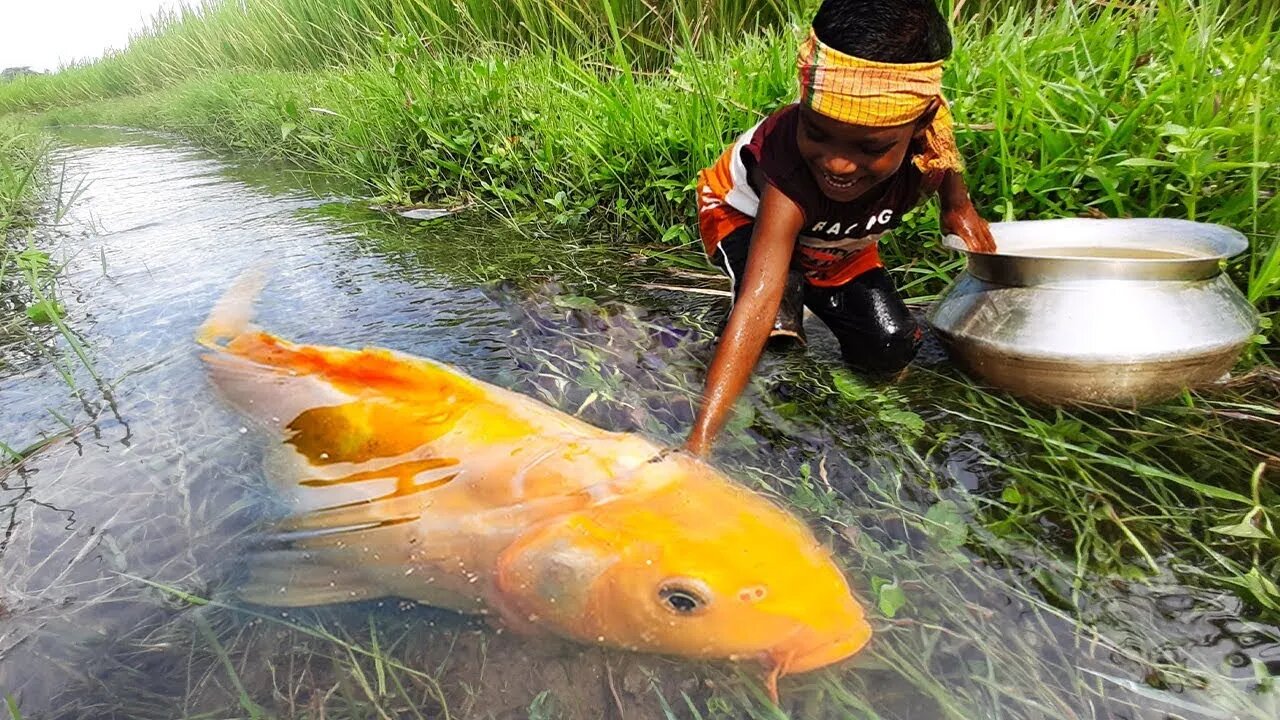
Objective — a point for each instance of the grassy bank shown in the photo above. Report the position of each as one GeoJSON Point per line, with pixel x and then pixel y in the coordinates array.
{"type": "Point", "coordinates": [21, 156]}
{"type": "Point", "coordinates": [602, 113]}
{"type": "Point", "coordinates": [25, 272]}
{"type": "Point", "coordinates": [33, 332]}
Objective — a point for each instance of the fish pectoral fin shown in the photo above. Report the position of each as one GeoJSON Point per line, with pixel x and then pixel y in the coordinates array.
{"type": "Point", "coordinates": [296, 578]}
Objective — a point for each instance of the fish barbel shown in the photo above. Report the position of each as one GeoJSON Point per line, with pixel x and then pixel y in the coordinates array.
{"type": "Point", "coordinates": [407, 478]}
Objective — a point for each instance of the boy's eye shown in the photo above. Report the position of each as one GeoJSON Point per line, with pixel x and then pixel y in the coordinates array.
{"type": "Point", "coordinates": [877, 149]}
{"type": "Point", "coordinates": [815, 134]}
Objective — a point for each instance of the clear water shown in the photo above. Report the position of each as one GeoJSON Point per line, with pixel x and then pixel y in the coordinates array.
{"type": "Point", "coordinates": [1109, 253]}
{"type": "Point", "coordinates": [115, 534]}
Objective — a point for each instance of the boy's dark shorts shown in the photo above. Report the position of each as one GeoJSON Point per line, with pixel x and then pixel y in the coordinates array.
{"type": "Point", "coordinates": [877, 333]}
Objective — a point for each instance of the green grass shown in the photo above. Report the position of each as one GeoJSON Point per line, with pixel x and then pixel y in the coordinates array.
{"type": "Point", "coordinates": [296, 35]}
{"type": "Point", "coordinates": [21, 157]}
{"type": "Point", "coordinates": [25, 271]}
{"type": "Point", "coordinates": [31, 314]}
{"type": "Point", "coordinates": [1156, 108]}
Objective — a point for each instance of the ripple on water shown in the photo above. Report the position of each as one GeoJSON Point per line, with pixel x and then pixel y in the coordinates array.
{"type": "Point", "coordinates": [162, 485]}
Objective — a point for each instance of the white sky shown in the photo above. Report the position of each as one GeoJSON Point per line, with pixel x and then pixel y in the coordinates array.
{"type": "Point", "coordinates": [47, 33]}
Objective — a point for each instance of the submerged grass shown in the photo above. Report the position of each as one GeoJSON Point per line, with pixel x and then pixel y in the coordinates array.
{"type": "Point", "coordinates": [976, 530]}
{"type": "Point", "coordinates": [972, 619]}
{"type": "Point", "coordinates": [961, 510]}
{"type": "Point", "coordinates": [24, 270]}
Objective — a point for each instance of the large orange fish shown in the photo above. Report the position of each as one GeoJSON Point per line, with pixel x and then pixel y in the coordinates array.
{"type": "Point", "coordinates": [409, 479]}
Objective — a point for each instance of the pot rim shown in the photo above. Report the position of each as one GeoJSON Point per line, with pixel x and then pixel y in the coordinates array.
{"type": "Point", "coordinates": [1202, 245]}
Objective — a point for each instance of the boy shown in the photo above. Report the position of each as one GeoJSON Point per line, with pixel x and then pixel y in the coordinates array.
{"type": "Point", "coordinates": [793, 210]}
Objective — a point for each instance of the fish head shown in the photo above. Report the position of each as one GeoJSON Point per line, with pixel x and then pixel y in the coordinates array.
{"type": "Point", "coordinates": [701, 568]}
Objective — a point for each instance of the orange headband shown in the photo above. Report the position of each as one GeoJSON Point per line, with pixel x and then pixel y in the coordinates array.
{"type": "Point", "coordinates": [879, 94]}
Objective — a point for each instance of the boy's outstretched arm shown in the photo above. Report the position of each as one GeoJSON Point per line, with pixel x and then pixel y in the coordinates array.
{"type": "Point", "coordinates": [958, 215]}
{"type": "Point", "coordinates": [760, 293]}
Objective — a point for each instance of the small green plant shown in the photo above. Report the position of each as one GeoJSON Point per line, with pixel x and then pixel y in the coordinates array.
{"type": "Point", "coordinates": [11, 704]}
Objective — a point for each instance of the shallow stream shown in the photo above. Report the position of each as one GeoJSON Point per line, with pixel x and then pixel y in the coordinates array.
{"type": "Point", "coordinates": [119, 532]}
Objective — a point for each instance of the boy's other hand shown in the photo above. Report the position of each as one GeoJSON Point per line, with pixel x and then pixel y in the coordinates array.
{"type": "Point", "coordinates": [964, 221]}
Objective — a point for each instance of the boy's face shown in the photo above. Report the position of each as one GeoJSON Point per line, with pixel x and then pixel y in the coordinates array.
{"type": "Point", "coordinates": [847, 160]}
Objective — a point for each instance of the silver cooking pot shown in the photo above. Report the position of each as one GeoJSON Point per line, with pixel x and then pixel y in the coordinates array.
{"type": "Point", "coordinates": [1118, 312]}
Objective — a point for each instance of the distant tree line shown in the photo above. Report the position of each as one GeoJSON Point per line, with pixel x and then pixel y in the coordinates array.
{"type": "Point", "coordinates": [13, 73]}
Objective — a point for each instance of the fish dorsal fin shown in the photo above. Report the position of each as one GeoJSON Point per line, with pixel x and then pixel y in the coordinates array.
{"type": "Point", "coordinates": [335, 372]}
{"type": "Point", "coordinates": [323, 409]}
{"type": "Point", "coordinates": [368, 371]}
{"type": "Point", "coordinates": [392, 389]}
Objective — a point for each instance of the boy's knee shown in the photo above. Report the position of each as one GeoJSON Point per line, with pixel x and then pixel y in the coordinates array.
{"type": "Point", "coordinates": [887, 352]}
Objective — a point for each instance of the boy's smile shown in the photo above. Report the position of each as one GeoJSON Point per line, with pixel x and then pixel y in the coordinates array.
{"type": "Point", "coordinates": [847, 160]}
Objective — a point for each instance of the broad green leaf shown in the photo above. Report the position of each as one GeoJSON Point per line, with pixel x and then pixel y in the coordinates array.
{"type": "Point", "coordinates": [954, 529]}
{"type": "Point", "coordinates": [1246, 528]}
{"type": "Point", "coordinates": [44, 311]}
{"type": "Point", "coordinates": [1145, 162]}
{"type": "Point", "coordinates": [742, 418]}
{"type": "Point", "coordinates": [575, 302]}
{"type": "Point", "coordinates": [890, 598]}
{"type": "Point", "coordinates": [1263, 588]}
{"type": "Point", "coordinates": [1223, 165]}
{"type": "Point", "coordinates": [848, 386]}
{"type": "Point", "coordinates": [35, 261]}
{"type": "Point", "coordinates": [905, 418]}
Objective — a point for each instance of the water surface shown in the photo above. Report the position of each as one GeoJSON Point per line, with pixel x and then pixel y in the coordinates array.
{"type": "Point", "coordinates": [118, 533]}
{"type": "Point", "coordinates": [1109, 253]}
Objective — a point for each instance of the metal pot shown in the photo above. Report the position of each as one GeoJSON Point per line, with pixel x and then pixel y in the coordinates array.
{"type": "Point", "coordinates": [1117, 312]}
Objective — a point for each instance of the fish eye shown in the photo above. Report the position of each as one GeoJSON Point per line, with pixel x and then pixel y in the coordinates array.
{"type": "Point", "coordinates": [681, 598]}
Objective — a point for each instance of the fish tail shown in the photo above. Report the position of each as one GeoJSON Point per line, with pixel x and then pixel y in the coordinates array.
{"type": "Point", "coordinates": [231, 314]}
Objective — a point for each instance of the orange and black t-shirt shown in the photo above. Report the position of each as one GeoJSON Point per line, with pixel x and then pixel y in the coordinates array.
{"type": "Point", "coordinates": [838, 240]}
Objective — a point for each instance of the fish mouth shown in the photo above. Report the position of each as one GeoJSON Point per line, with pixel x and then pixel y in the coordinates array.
{"type": "Point", "coordinates": [828, 654]}
{"type": "Point", "coordinates": [812, 656]}
{"type": "Point", "coordinates": [789, 660]}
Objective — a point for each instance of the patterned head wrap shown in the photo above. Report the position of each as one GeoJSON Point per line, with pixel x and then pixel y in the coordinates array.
{"type": "Point", "coordinates": [879, 94]}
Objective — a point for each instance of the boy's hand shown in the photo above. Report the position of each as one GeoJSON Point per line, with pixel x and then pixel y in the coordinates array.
{"type": "Point", "coordinates": [964, 221]}
{"type": "Point", "coordinates": [959, 218]}
{"type": "Point", "coordinates": [744, 336]}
